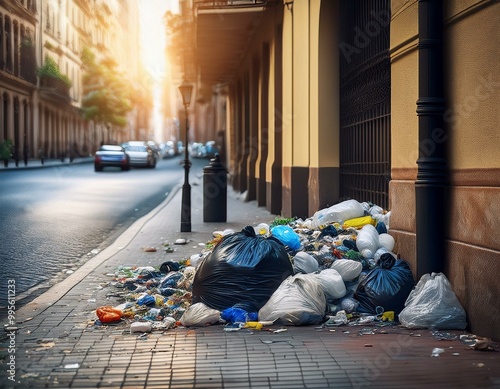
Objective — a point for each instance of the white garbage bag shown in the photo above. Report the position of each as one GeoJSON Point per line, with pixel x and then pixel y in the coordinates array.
{"type": "Point", "coordinates": [347, 268]}
{"type": "Point", "coordinates": [304, 263]}
{"type": "Point", "coordinates": [332, 284]}
{"type": "Point", "coordinates": [199, 315]}
{"type": "Point", "coordinates": [299, 300]}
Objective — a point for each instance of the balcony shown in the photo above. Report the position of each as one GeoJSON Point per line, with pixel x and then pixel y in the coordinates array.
{"type": "Point", "coordinates": [218, 4]}
{"type": "Point", "coordinates": [55, 88]}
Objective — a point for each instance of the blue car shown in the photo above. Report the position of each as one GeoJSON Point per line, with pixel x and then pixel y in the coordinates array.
{"type": "Point", "coordinates": [111, 155]}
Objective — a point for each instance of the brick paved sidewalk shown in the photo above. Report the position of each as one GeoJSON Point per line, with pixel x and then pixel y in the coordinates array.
{"type": "Point", "coordinates": [57, 344]}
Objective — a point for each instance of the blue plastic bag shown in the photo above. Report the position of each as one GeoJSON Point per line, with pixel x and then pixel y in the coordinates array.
{"type": "Point", "coordinates": [287, 236]}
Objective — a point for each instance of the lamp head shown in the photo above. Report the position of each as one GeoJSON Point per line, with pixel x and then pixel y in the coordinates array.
{"type": "Point", "coordinates": [186, 89]}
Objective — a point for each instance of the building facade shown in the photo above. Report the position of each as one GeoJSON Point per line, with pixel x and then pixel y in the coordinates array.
{"type": "Point", "coordinates": [392, 102]}
{"type": "Point", "coordinates": [42, 117]}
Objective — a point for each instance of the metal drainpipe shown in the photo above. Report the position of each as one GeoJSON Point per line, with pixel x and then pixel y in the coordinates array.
{"type": "Point", "coordinates": [432, 171]}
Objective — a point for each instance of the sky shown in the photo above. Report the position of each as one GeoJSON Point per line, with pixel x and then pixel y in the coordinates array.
{"type": "Point", "coordinates": [153, 42]}
{"type": "Point", "coordinates": [153, 32]}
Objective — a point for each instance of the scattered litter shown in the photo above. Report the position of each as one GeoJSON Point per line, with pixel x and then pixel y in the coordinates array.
{"type": "Point", "coordinates": [480, 364]}
{"type": "Point", "coordinates": [484, 345]}
{"type": "Point", "coordinates": [30, 375]}
{"type": "Point", "coordinates": [180, 241]}
{"type": "Point", "coordinates": [46, 345]}
{"type": "Point", "coordinates": [274, 341]}
{"type": "Point", "coordinates": [366, 331]}
{"type": "Point", "coordinates": [91, 300]}
{"type": "Point", "coordinates": [436, 352]}
{"type": "Point", "coordinates": [233, 327]}
{"type": "Point", "coordinates": [149, 249]}
{"type": "Point", "coordinates": [140, 326]}
{"type": "Point", "coordinates": [368, 345]}
{"type": "Point", "coordinates": [69, 271]}
{"type": "Point", "coordinates": [72, 366]}
{"type": "Point", "coordinates": [339, 319]}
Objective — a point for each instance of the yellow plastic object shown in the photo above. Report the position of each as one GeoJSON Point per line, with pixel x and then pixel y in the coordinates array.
{"type": "Point", "coordinates": [388, 316]}
{"type": "Point", "coordinates": [253, 324]}
{"type": "Point", "coordinates": [359, 222]}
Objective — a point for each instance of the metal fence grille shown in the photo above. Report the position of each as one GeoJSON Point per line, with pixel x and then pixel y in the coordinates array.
{"type": "Point", "coordinates": [365, 101]}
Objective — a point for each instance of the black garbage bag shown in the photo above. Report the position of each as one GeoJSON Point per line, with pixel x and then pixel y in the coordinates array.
{"type": "Point", "coordinates": [387, 285]}
{"type": "Point", "coordinates": [243, 270]}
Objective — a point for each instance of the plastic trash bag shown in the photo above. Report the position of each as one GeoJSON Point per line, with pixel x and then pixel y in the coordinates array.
{"type": "Point", "coordinates": [299, 300]}
{"type": "Point", "coordinates": [108, 314]}
{"type": "Point", "coordinates": [433, 304]}
{"type": "Point", "coordinates": [199, 315]}
{"type": "Point", "coordinates": [304, 263]}
{"type": "Point", "coordinates": [332, 284]}
{"type": "Point", "coordinates": [243, 269]}
{"type": "Point", "coordinates": [287, 236]}
{"type": "Point", "coordinates": [347, 268]}
{"type": "Point", "coordinates": [237, 315]}
{"type": "Point", "coordinates": [387, 285]}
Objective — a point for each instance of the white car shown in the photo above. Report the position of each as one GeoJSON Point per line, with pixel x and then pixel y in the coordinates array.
{"type": "Point", "coordinates": [140, 154]}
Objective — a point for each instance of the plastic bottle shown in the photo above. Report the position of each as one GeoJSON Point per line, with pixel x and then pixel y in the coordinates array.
{"type": "Point", "coordinates": [367, 241]}
{"type": "Point", "coordinates": [340, 212]}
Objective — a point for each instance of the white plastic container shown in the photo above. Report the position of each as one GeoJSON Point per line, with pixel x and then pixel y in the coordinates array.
{"type": "Point", "coordinates": [367, 241]}
{"type": "Point", "coordinates": [140, 326]}
{"type": "Point", "coordinates": [338, 213]}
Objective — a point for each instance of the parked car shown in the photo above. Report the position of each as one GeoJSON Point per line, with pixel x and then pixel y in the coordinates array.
{"type": "Point", "coordinates": [111, 155]}
{"type": "Point", "coordinates": [155, 147]}
{"type": "Point", "coordinates": [140, 154]}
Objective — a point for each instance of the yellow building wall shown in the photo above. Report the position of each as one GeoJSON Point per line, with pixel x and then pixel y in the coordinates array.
{"type": "Point", "coordinates": [271, 112]}
{"type": "Point", "coordinates": [472, 124]}
{"type": "Point", "coordinates": [404, 89]}
{"type": "Point", "coordinates": [300, 79]}
{"type": "Point", "coordinates": [288, 114]}
{"type": "Point", "coordinates": [474, 84]}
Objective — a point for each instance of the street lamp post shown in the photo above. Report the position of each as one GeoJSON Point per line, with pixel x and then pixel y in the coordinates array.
{"type": "Point", "coordinates": [186, 90]}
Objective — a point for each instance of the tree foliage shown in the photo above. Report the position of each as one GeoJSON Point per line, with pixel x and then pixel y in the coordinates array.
{"type": "Point", "coordinates": [50, 69]}
{"type": "Point", "coordinates": [106, 92]}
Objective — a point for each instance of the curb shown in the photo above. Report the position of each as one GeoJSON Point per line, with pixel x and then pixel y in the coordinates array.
{"type": "Point", "coordinates": [58, 291]}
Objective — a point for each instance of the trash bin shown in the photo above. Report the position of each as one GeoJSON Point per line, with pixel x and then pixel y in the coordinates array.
{"type": "Point", "coordinates": [215, 191]}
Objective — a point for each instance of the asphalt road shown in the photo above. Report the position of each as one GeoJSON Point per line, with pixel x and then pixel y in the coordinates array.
{"type": "Point", "coordinates": [54, 219]}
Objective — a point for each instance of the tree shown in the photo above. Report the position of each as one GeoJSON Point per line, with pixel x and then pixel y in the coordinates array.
{"type": "Point", "coordinates": [106, 92]}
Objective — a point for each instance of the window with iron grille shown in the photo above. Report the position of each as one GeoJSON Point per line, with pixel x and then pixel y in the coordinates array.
{"type": "Point", "coordinates": [365, 101]}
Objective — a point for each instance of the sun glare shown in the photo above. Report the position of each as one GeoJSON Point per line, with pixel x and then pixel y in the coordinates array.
{"type": "Point", "coordinates": [153, 41]}
{"type": "Point", "coordinates": [153, 37]}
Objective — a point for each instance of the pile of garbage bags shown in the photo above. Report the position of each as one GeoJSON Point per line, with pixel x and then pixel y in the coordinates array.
{"type": "Point", "coordinates": [337, 267]}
